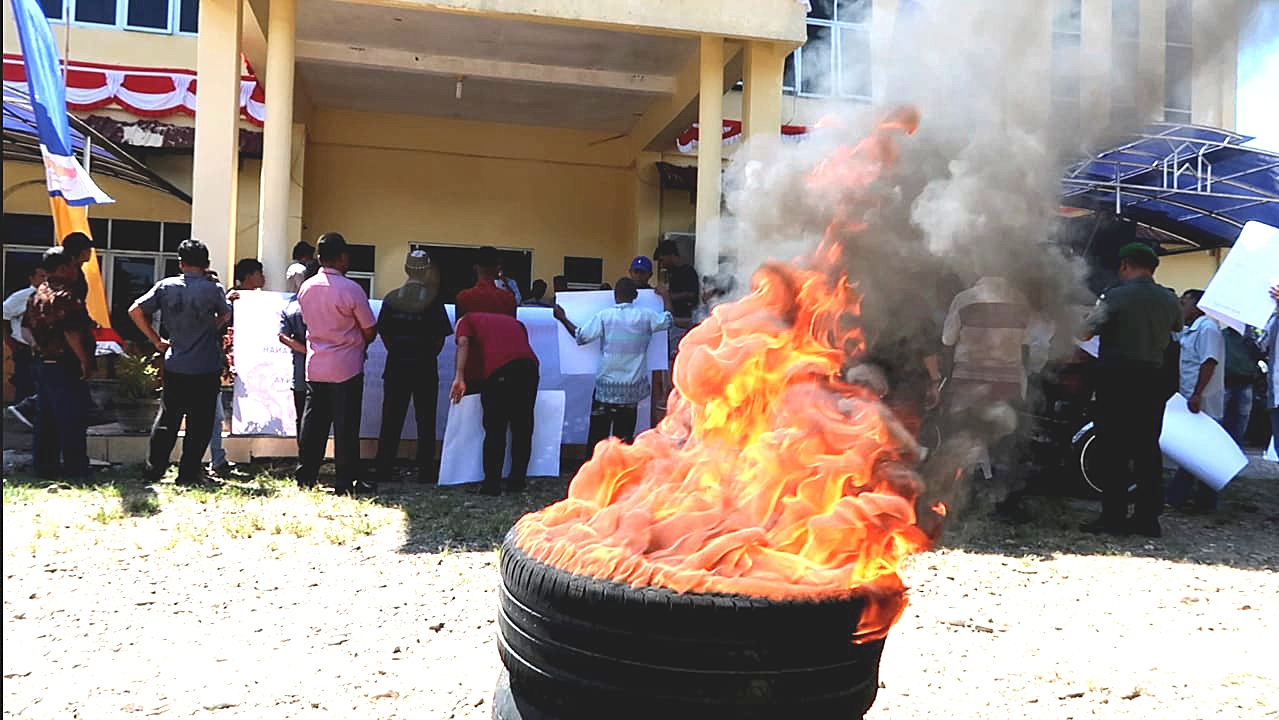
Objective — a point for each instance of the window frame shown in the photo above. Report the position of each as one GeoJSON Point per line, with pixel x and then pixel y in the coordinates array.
{"type": "Point", "coordinates": [173, 19]}
{"type": "Point", "coordinates": [836, 27]}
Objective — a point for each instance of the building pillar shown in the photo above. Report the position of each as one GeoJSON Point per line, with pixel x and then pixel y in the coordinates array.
{"type": "Point", "coordinates": [1096, 81]}
{"type": "Point", "coordinates": [710, 148]}
{"type": "Point", "coordinates": [216, 165]}
{"type": "Point", "coordinates": [762, 90]}
{"type": "Point", "coordinates": [277, 144]}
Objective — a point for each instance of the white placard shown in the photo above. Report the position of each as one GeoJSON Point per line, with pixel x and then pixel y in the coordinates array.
{"type": "Point", "coordinates": [462, 460]}
{"type": "Point", "coordinates": [1237, 294]}
{"type": "Point", "coordinates": [1200, 445]}
{"type": "Point", "coordinates": [263, 399]}
{"type": "Point", "coordinates": [580, 307]}
{"type": "Point", "coordinates": [1092, 345]}
{"type": "Point", "coordinates": [1271, 455]}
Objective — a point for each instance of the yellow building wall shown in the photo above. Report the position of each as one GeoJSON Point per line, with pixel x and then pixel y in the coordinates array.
{"type": "Point", "coordinates": [132, 202]}
{"type": "Point", "coordinates": [111, 46]}
{"type": "Point", "coordinates": [389, 180]}
{"type": "Point", "coordinates": [1190, 271]}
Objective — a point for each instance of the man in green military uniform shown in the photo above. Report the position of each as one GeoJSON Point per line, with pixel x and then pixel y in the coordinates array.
{"type": "Point", "coordinates": [1135, 320]}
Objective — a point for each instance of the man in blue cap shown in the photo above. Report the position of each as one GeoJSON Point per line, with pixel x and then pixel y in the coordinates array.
{"type": "Point", "coordinates": [641, 271]}
{"type": "Point", "coordinates": [1136, 321]}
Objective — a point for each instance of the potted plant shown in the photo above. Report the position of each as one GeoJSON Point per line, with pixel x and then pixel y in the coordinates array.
{"type": "Point", "coordinates": [136, 399]}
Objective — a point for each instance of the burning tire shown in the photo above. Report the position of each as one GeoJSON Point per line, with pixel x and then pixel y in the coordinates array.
{"type": "Point", "coordinates": [578, 647]}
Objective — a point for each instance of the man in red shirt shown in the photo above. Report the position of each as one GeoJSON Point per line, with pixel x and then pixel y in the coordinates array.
{"type": "Point", "coordinates": [486, 296]}
{"type": "Point", "coordinates": [495, 359]}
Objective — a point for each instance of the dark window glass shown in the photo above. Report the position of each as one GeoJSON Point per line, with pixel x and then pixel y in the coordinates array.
{"type": "Point", "coordinates": [17, 271]}
{"type": "Point", "coordinates": [366, 283]}
{"type": "Point", "coordinates": [788, 73]}
{"type": "Point", "coordinates": [822, 10]}
{"type": "Point", "coordinates": [174, 234]}
{"type": "Point", "coordinates": [815, 63]}
{"type": "Point", "coordinates": [854, 63]}
{"type": "Point", "coordinates": [148, 14]}
{"type": "Point", "coordinates": [361, 258]}
{"type": "Point", "coordinates": [1177, 78]}
{"type": "Point", "coordinates": [852, 11]}
{"type": "Point", "coordinates": [1177, 116]}
{"type": "Point", "coordinates": [101, 12]}
{"type": "Point", "coordinates": [131, 277]}
{"type": "Point", "coordinates": [1178, 22]}
{"type": "Point", "coordinates": [189, 16]}
{"type": "Point", "coordinates": [171, 268]}
{"type": "Point", "coordinates": [52, 8]}
{"type": "Point", "coordinates": [28, 229]}
{"type": "Point", "coordinates": [135, 235]}
{"type": "Point", "coordinates": [1125, 19]}
{"type": "Point", "coordinates": [98, 229]}
{"type": "Point", "coordinates": [585, 270]}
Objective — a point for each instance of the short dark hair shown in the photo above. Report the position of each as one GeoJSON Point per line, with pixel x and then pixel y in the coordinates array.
{"type": "Point", "coordinates": [537, 289]}
{"type": "Point", "coordinates": [487, 257]}
{"type": "Point", "coordinates": [330, 246]}
{"type": "Point", "coordinates": [303, 250]}
{"type": "Point", "coordinates": [312, 269]}
{"type": "Point", "coordinates": [246, 267]}
{"type": "Point", "coordinates": [35, 268]}
{"type": "Point", "coordinates": [1195, 295]}
{"type": "Point", "coordinates": [625, 289]}
{"type": "Point", "coordinates": [55, 258]}
{"type": "Point", "coordinates": [76, 243]}
{"type": "Point", "coordinates": [194, 253]}
{"type": "Point", "coordinates": [559, 281]}
{"type": "Point", "coordinates": [664, 248]}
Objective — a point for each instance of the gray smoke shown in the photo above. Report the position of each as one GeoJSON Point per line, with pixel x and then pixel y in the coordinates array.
{"type": "Point", "coordinates": [976, 189]}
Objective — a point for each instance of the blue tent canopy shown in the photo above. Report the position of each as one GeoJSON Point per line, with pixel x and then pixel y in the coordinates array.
{"type": "Point", "coordinates": [1193, 186]}
{"type": "Point", "coordinates": [22, 142]}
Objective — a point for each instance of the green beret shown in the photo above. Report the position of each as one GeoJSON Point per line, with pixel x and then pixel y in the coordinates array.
{"type": "Point", "coordinates": [1139, 251]}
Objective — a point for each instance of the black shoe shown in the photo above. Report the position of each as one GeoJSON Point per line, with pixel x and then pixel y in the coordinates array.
{"type": "Point", "coordinates": [1104, 526]}
{"type": "Point", "coordinates": [485, 489]}
{"type": "Point", "coordinates": [516, 485]}
{"type": "Point", "coordinates": [222, 470]}
{"type": "Point", "coordinates": [359, 487]}
{"type": "Point", "coordinates": [1146, 528]}
{"type": "Point", "coordinates": [196, 482]}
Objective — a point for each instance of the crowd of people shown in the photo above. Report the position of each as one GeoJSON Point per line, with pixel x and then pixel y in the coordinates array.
{"type": "Point", "coordinates": [1151, 344]}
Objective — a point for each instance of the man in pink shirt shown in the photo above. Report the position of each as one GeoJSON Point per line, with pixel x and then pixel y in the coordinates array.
{"type": "Point", "coordinates": [340, 325]}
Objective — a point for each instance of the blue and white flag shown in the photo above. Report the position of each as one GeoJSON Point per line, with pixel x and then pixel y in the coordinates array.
{"type": "Point", "coordinates": [66, 178]}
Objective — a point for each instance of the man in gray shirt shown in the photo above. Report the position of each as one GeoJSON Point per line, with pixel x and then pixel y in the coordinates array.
{"type": "Point", "coordinates": [195, 309]}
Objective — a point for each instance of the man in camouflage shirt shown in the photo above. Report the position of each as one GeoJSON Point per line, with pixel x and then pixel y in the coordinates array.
{"type": "Point", "coordinates": [63, 339]}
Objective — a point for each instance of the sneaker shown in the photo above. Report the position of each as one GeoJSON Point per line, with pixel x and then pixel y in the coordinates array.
{"type": "Point", "coordinates": [16, 410]}
{"type": "Point", "coordinates": [1146, 528]}
{"type": "Point", "coordinates": [1104, 526]}
{"type": "Point", "coordinates": [222, 469]}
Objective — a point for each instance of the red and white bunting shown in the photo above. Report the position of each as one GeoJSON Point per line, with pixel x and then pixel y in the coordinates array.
{"type": "Point", "coordinates": [145, 92]}
{"type": "Point", "coordinates": [687, 140]}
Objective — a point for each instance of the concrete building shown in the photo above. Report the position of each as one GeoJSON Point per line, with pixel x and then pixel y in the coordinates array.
{"type": "Point", "coordinates": [532, 125]}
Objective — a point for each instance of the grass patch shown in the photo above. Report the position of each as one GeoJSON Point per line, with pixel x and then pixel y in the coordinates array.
{"type": "Point", "coordinates": [108, 515]}
{"type": "Point", "coordinates": [242, 525]}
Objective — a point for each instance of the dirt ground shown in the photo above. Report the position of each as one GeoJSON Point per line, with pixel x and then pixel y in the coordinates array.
{"type": "Point", "coordinates": [259, 601]}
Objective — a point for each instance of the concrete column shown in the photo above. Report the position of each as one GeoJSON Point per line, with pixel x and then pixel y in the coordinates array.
{"type": "Point", "coordinates": [277, 144]}
{"type": "Point", "coordinates": [710, 149]}
{"type": "Point", "coordinates": [1150, 98]}
{"type": "Point", "coordinates": [1096, 61]}
{"type": "Point", "coordinates": [762, 90]}
{"type": "Point", "coordinates": [216, 165]}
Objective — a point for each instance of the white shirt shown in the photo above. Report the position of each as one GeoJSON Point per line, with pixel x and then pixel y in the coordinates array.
{"type": "Point", "coordinates": [294, 276]}
{"type": "Point", "coordinates": [1201, 342]}
{"type": "Point", "coordinates": [15, 306]}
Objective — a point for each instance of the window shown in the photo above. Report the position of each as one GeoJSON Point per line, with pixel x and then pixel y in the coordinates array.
{"type": "Point", "coordinates": [1125, 23]}
{"type": "Point", "coordinates": [583, 273]}
{"type": "Point", "coordinates": [163, 16]}
{"type": "Point", "coordinates": [1067, 33]}
{"type": "Point", "coordinates": [1179, 60]}
{"type": "Point", "coordinates": [362, 267]}
{"type": "Point", "coordinates": [132, 254]}
{"type": "Point", "coordinates": [836, 59]}
{"type": "Point", "coordinates": [456, 264]}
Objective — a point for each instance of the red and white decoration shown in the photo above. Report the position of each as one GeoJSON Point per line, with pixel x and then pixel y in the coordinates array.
{"type": "Point", "coordinates": [687, 140]}
{"type": "Point", "coordinates": [145, 92]}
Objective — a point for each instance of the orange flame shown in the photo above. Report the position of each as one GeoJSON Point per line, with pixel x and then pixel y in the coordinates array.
{"type": "Point", "coordinates": [770, 476]}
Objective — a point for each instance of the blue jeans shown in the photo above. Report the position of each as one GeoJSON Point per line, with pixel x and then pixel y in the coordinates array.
{"type": "Point", "coordinates": [1238, 411]}
{"type": "Point", "coordinates": [59, 444]}
{"type": "Point", "coordinates": [217, 453]}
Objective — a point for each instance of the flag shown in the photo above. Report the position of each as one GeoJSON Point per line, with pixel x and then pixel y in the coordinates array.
{"type": "Point", "coordinates": [71, 190]}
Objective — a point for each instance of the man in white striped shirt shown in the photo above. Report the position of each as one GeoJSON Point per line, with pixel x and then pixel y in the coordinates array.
{"type": "Point", "coordinates": [623, 380]}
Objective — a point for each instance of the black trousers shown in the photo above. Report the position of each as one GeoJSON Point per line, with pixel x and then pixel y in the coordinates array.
{"type": "Point", "coordinates": [1129, 419]}
{"type": "Point", "coordinates": [421, 384]}
{"type": "Point", "coordinates": [299, 407]}
{"type": "Point", "coordinates": [336, 406]}
{"type": "Point", "coordinates": [508, 396]}
{"type": "Point", "coordinates": [184, 396]}
{"type": "Point", "coordinates": [59, 444]}
{"type": "Point", "coordinates": [611, 420]}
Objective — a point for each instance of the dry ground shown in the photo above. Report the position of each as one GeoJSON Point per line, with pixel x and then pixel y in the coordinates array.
{"type": "Point", "coordinates": [260, 601]}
